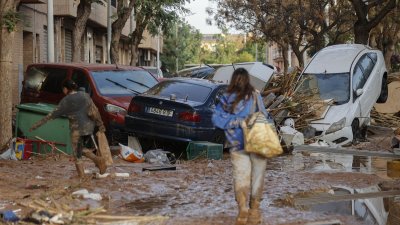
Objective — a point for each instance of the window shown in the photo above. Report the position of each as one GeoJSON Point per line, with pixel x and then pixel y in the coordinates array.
{"type": "Point", "coordinates": [79, 77]}
{"type": "Point", "coordinates": [358, 78]}
{"type": "Point", "coordinates": [326, 86]}
{"type": "Point", "coordinates": [53, 80]}
{"type": "Point", "coordinates": [114, 3]}
{"type": "Point", "coordinates": [182, 90]}
{"type": "Point", "coordinates": [363, 70]}
{"type": "Point", "coordinates": [373, 56]}
{"type": "Point", "coordinates": [123, 82]}
{"type": "Point", "coordinates": [367, 64]}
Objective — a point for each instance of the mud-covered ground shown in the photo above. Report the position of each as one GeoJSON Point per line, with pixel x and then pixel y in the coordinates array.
{"type": "Point", "coordinates": [198, 192]}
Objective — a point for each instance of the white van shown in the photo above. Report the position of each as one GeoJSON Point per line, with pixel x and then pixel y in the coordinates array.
{"type": "Point", "coordinates": [353, 78]}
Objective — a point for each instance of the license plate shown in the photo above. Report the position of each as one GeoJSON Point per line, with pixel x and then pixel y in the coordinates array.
{"type": "Point", "coordinates": [161, 112]}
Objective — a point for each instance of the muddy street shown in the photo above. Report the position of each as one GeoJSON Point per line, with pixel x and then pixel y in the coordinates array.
{"type": "Point", "coordinates": [197, 192]}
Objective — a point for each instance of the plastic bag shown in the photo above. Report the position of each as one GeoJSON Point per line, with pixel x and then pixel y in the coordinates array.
{"type": "Point", "coordinates": [10, 153]}
{"type": "Point", "coordinates": [159, 156]}
{"type": "Point", "coordinates": [130, 154]}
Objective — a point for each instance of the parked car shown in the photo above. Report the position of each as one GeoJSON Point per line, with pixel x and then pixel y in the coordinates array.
{"type": "Point", "coordinates": [260, 73]}
{"type": "Point", "coordinates": [177, 109]}
{"type": "Point", "coordinates": [354, 78]}
{"type": "Point", "coordinates": [202, 72]}
{"type": "Point", "coordinates": [111, 88]}
{"type": "Point", "coordinates": [154, 71]}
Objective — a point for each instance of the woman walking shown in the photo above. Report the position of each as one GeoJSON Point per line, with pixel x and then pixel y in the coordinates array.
{"type": "Point", "coordinates": [248, 169]}
{"type": "Point", "coordinates": [83, 117]}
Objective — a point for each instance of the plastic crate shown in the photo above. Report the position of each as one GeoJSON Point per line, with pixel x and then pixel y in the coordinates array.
{"type": "Point", "coordinates": [199, 149]}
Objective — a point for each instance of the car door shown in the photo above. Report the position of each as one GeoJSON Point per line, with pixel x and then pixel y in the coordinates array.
{"type": "Point", "coordinates": [362, 80]}
{"type": "Point", "coordinates": [82, 80]}
{"type": "Point", "coordinates": [51, 88]}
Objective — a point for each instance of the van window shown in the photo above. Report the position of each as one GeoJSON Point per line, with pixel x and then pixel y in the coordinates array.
{"type": "Point", "coordinates": [46, 79]}
{"type": "Point", "coordinates": [80, 78]}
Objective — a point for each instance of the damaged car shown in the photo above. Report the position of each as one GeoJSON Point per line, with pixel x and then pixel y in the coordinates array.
{"type": "Point", "coordinates": [177, 109]}
{"type": "Point", "coordinates": [350, 79]}
{"type": "Point", "coordinates": [110, 86]}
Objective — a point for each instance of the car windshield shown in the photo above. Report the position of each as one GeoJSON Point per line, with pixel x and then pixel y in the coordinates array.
{"type": "Point", "coordinates": [181, 90]}
{"type": "Point", "coordinates": [335, 86]}
{"type": "Point", "coordinates": [123, 82]}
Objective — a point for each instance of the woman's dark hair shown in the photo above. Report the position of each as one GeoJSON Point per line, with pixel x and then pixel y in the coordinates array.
{"type": "Point", "coordinates": [240, 85]}
{"type": "Point", "coordinates": [70, 85]}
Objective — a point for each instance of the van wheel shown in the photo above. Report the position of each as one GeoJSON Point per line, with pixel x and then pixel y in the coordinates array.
{"type": "Point", "coordinates": [384, 91]}
{"type": "Point", "coordinates": [355, 127]}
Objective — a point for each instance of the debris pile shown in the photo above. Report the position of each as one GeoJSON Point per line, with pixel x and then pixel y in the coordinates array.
{"type": "Point", "coordinates": [282, 103]}
{"type": "Point", "coordinates": [388, 114]}
{"type": "Point", "coordinates": [385, 119]}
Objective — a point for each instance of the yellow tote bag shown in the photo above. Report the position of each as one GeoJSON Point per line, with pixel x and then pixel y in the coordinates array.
{"type": "Point", "coordinates": [260, 136]}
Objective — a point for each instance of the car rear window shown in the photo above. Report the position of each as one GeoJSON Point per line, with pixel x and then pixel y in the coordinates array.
{"type": "Point", "coordinates": [45, 79]}
{"type": "Point", "coordinates": [123, 82]}
{"type": "Point", "coordinates": [182, 90]}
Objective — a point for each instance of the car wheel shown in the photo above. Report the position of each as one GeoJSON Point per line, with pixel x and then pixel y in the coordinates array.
{"type": "Point", "coordinates": [384, 91]}
{"type": "Point", "coordinates": [355, 127]}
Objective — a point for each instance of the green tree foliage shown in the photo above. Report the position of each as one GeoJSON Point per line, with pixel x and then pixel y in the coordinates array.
{"type": "Point", "coordinates": [229, 49]}
{"type": "Point", "coordinates": [244, 57]}
{"type": "Point", "coordinates": [154, 16]}
{"type": "Point", "coordinates": [183, 44]}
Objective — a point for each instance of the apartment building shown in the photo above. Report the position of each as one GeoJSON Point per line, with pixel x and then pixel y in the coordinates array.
{"type": "Point", "coordinates": [31, 37]}
{"type": "Point", "coordinates": [274, 57]}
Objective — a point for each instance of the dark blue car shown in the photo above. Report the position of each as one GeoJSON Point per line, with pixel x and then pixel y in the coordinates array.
{"type": "Point", "coordinates": [176, 109]}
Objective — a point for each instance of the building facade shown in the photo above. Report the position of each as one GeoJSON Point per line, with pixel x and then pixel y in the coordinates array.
{"type": "Point", "coordinates": [275, 57]}
{"type": "Point", "coordinates": [31, 37]}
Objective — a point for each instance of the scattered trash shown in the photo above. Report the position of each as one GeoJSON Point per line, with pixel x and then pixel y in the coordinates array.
{"type": "Point", "coordinates": [23, 148]}
{"type": "Point", "coordinates": [36, 186]}
{"type": "Point", "coordinates": [291, 136]}
{"type": "Point", "coordinates": [210, 165]}
{"type": "Point", "coordinates": [159, 156]}
{"type": "Point", "coordinates": [88, 171]}
{"type": "Point", "coordinates": [99, 176]}
{"type": "Point", "coordinates": [104, 148]}
{"type": "Point", "coordinates": [158, 168]}
{"type": "Point", "coordinates": [84, 193]}
{"type": "Point", "coordinates": [8, 216]}
{"type": "Point", "coordinates": [10, 153]}
{"type": "Point", "coordinates": [42, 216]}
{"type": "Point", "coordinates": [121, 174]}
{"type": "Point", "coordinates": [39, 177]}
{"type": "Point", "coordinates": [130, 154]}
{"type": "Point", "coordinates": [133, 142]}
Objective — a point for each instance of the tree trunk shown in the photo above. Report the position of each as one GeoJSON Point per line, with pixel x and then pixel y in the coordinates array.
{"type": "Point", "coordinates": [136, 38]}
{"type": "Point", "coordinates": [361, 33]}
{"type": "Point", "coordinates": [285, 56]}
{"type": "Point", "coordinates": [114, 50]}
{"type": "Point", "coordinates": [117, 26]}
{"type": "Point", "coordinates": [299, 55]}
{"type": "Point", "coordinates": [390, 47]}
{"type": "Point", "coordinates": [82, 16]}
{"type": "Point", "coordinates": [6, 64]}
{"type": "Point", "coordinates": [134, 55]}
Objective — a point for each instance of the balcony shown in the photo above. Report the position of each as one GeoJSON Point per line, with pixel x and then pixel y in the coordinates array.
{"type": "Point", "coordinates": [33, 1]}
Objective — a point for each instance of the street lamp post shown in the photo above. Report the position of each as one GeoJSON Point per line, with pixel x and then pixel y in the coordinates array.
{"type": "Point", "coordinates": [50, 32]}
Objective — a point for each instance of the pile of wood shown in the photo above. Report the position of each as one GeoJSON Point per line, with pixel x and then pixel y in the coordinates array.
{"type": "Point", "coordinates": [281, 102]}
{"type": "Point", "coordinates": [385, 119]}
